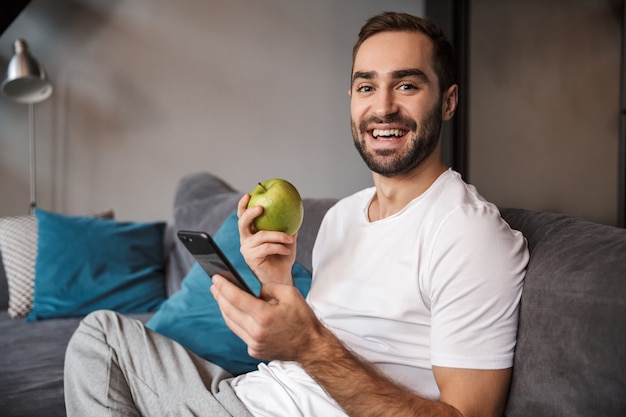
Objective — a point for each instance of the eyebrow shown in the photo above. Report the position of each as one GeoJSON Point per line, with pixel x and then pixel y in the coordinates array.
{"type": "Point", "coordinates": [396, 75]}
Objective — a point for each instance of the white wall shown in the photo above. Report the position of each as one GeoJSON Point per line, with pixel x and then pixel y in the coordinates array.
{"type": "Point", "coordinates": [147, 91]}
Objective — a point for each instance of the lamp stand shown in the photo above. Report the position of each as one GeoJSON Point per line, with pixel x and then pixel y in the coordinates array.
{"type": "Point", "coordinates": [25, 81]}
{"type": "Point", "coordinates": [31, 150]}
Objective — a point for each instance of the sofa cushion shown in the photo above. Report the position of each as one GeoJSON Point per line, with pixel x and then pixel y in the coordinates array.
{"type": "Point", "coordinates": [85, 264]}
{"type": "Point", "coordinates": [570, 355]}
{"type": "Point", "coordinates": [31, 365]}
{"type": "Point", "coordinates": [202, 203]}
{"type": "Point", "coordinates": [18, 243]}
{"type": "Point", "coordinates": [193, 318]}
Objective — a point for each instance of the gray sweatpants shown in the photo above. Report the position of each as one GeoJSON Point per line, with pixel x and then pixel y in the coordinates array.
{"type": "Point", "coordinates": [114, 366]}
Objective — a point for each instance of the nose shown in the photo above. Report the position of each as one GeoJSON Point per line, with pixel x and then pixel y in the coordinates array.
{"type": "Point", "coordinates": [385, 103]}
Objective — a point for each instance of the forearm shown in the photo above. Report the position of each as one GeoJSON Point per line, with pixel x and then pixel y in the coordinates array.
{"type": "Point", "coordinates": [359, 388]}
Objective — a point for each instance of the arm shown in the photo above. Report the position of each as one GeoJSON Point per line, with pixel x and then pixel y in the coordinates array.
{"type": "Point", "coordinates": [286, 328]}
{"type": "Point", "coordinates": [363, 391]}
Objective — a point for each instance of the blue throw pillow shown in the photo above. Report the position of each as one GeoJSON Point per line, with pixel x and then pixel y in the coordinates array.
{"type": "Point", "coordinates": [192, 317]}
{"type": "Point", "coordinates": [85, 264]}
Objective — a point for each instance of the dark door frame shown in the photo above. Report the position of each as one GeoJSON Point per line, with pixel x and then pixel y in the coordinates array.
{"type": "Point", "coordinates": [453, 17]}
{"type": "Point", "coordinates": [621, 182]}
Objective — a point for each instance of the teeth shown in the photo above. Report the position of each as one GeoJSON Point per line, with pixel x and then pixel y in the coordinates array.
{"type": "Point", "coordinates": [388, 132]}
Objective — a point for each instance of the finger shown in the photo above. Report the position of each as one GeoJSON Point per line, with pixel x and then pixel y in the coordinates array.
{"type": "Point", "coordinates": [239, 310]}
{"type": "Point", "coordinates": [229, 292]}
{"type": "Point", "coordinates": [244, 226]}
{"type": "Point", "coordinates": [259, 247]}
{"type": "Point", "coordinates": [243, 204]}
{"type": "Point", "coordinates": [271, 237]}
{"type": "Point", "coordinates": [235, 327]}
{"type": "Point", "coordinates": [226, 310]}
{"type": "Point", "coordinates": [229, 299]}
{"type": "Point", "coordinates": [260, 252]}
{"type": "Point", "coordinates": [237, 300]}
{"type": "Point", "coordinates": [245, 222]}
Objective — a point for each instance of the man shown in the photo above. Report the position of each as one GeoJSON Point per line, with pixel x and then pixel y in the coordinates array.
{"type": "Point", "coordinates": [414, 301]}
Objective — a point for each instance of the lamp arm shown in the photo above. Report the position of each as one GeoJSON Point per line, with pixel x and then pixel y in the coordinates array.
{"type": "Point", "coordinates": [32, 157]}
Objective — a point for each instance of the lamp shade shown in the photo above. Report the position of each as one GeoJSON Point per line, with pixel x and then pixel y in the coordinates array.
{"type": "Point", "coordinates": [25, 80]}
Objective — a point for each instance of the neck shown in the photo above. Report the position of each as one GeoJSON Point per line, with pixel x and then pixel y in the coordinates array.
{"type": "Point", "coordinates": [394, 193]}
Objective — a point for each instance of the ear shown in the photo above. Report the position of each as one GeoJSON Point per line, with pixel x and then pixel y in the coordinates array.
{"type": "Point", "coordinates": [449, 102]}
{"type": "Point", "coordinates": [350, 93]}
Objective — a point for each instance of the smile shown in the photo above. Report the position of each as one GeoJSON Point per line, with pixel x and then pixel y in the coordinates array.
{"type": "Point", "coordinates": [388, 134]}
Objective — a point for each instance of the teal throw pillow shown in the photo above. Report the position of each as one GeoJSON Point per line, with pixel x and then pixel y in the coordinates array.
{"type": "Point", "coordinates": [85, 264]}
{"type": "Point", "coordinates": [192, 317]}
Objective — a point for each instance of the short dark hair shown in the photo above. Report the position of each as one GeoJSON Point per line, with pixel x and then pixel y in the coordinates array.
{"type": "Point", "coordinates": [444, 60]}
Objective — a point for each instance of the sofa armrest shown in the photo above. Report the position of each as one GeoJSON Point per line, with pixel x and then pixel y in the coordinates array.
{"type": "Point", "coordinates": [570, 357]}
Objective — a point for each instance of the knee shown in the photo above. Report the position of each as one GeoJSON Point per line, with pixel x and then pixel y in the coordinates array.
{"type": "Point", "coordinates": [95, 325]}
{"type": "Point", "coordinates": [89, 340]}
{"type": "Point", "coordinates": [109, 327]}
{"type": "Point", "coordinates": [100, 319]}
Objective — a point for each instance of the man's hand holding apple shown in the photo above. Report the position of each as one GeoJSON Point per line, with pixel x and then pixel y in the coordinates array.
{"type": "Point", "coordinates": [269, 254]}
{"type": "Point", "coordinates": [269, 218]}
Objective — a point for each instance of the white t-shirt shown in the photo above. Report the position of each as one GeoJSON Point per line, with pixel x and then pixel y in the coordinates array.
{"type": "Point", "coordinates": [437, 283]}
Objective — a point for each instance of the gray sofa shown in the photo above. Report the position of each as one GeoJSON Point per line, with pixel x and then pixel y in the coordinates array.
{"type": "Point", "coordinates": [571, 353]}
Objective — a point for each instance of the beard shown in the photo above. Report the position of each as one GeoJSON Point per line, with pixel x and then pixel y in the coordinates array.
{"type": "Point", "coordinates": [390, 163]}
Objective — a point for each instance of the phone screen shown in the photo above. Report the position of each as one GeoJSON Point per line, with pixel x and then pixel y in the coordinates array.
{"type": "Point", "coordinates": [212, 260]}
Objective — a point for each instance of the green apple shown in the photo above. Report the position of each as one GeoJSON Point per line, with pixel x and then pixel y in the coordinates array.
{"type": "Point", "coordinates": [282, 206]}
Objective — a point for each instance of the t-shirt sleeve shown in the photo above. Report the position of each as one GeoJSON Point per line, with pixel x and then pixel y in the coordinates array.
{"type": "Point", "coordinates": [477, 266]}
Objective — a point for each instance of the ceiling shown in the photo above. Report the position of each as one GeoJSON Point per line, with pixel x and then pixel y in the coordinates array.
{"type": "Point", "coordinates": [9, 10]}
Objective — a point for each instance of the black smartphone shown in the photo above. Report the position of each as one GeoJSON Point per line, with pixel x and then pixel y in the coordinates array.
{"type": "Point", "coordinates": [211, 258]}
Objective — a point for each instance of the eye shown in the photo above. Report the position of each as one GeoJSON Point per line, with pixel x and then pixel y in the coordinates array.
{"type": "Point", "coordinates": [364, 89]}
{"type": "Point", "coordinates": [406, 86]}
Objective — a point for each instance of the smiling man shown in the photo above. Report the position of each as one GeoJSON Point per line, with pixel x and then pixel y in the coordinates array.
{"type": "Point", "coordinates": [416, 285]}
{"type": "Point", "coordinates": [416, 281]}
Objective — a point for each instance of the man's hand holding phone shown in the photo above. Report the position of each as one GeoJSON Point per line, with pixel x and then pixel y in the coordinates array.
{"type": "Point", "coordinates": [277, 325]}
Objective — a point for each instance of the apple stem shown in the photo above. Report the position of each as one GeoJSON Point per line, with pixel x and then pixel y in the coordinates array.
{"type": "Point", "coordinates": [261, 185]}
